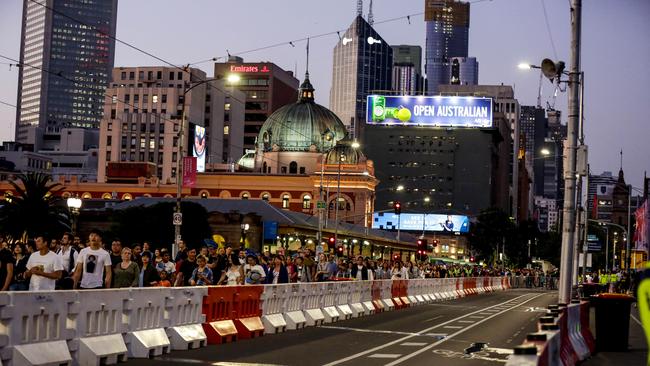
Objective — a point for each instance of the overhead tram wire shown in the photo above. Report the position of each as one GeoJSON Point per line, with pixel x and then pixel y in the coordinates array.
{"type": "Point", "coordinates": [548, 29]}
{"type": "Point", "coordinates": [106, 97]}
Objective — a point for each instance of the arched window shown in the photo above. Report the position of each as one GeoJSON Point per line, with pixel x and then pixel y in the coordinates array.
{"type": "Point", "coordinates": [86, 196]}
{"type": "Point", "coordinates": [245, 195]}
{"type": "Point", "coordinates": [306, 201]}
{"type": "Point", "coordinates": [127, 197]}
{"type": "Point", "coordinates": [107, 196]}
{"type": "Point", "coordinates": [66, 195]}
{"type": "Point", "coordinates": [266, 197]}
{"type": "Point", "coordinates": [285, 201]}
{"type": "Point", "coordinates": [293, 168]}
{"type": "Point", "coordinates": [264, 167]}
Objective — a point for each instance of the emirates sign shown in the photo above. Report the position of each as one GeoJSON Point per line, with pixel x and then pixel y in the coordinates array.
{"type": "Point", "coordinates": [249, 68]}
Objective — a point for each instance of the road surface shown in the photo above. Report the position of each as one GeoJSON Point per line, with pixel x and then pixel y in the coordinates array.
{"type": "Point", "coordinates": [432, 334]}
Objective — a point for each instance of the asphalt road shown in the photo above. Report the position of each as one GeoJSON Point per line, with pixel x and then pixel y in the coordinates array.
{"type": "Point", "coordinates": [422, 335]}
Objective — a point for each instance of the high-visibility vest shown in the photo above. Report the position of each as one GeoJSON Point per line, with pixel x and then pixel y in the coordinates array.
{"type": "Point", "coordinates": [603, 279]}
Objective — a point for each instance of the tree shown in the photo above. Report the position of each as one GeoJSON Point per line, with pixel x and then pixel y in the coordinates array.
{"type": "Point", "coordinates": [492, 228]}
{"type": "Point", "coordinates": [154, 224]}
{"type": "Point", "coordinates": [35, 208]}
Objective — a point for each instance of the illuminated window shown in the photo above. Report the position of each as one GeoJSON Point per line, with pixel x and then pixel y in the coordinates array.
{"type": "Point", "coordinates": [226, 130]}
{"type": "Point", "coordinates": [245, 196]}
{"type": "Point", "coordinates": [155, 99]}
{"type": "Point", "coordinates": [285, 201]}
{"type": "Point", "coordinates": [127, 197]}
{"type": "Point", "coordinates": [266, 197]}
{"type": "Point", "coordinates": [306, 201]}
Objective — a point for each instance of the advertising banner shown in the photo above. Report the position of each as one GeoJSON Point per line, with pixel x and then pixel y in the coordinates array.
{"type": "Point", "coordinates": [189, 171]}
{"type": "Point", "coordinates": [419, 222]}
{"type": "Point", "coordinates": [642, 232]}
{"type": "Point", "coordinates": [199, 149]}
{"type": "Point", "coordinates": [435, 111]}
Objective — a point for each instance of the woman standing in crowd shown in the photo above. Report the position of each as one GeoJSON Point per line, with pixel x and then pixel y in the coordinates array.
{"type": "Point", "coordinates": [278, 272]}
{"type": "Point", "coordinates": [148, 273]}
{"type": "Point", "coordinates": [232, 276]}
{"type": "Point", "coordinates": [19, 281]}
{"type": "Point", "coordinates": [125, 273]}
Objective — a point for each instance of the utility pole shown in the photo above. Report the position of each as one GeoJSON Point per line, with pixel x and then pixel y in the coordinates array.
{"type": "Point", "coordinates": [568, 214]}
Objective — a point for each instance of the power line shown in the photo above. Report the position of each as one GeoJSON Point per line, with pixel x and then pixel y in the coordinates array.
{"type": "Point", "coordinates": [548, 29]}
{"type": "Point", "coordinates": [106, 96]}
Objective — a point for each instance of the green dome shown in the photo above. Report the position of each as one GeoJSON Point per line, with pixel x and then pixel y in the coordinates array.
{"type": "Point", "coordinates": [299, 126]}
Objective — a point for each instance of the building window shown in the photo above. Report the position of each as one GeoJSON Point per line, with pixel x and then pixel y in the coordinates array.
{"type": "Point", "coordinates": [155, 99]}
{"type": "Point", "coordinates": [114, 99]}
{"type": "Point", "coordinates": [109, 140]}
{"type": "Point", "coordinates": [293, 168]}
{"type": "Point", "coordinates": [245, 196]}
{"type": "Point", "coordinates": [302, 170]}
{"type": "Point", "coordinates": [265, 197]}
{"type": "Point", "coordinates": [306, 202]}
{"type": "Point", "coordinates": [113, 113]}
{"type": "Point", "coordinates": [131, 75]}
{"type": "Point", "coordinates": [174, 157]}
{"type": "Point", "coordinates": [226, 130]}
{"type": "Point", "coordinates": [285, 201]}
{"type": "Point", "coordinates": [123, 75]}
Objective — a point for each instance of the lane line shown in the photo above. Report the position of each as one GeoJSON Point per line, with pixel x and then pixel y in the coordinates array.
{"type": "Point", "coordinates": [467, 321]}
{"type": "Point", "coordinates": [457, 333]}
{"type": "Point", "coordinates": [453, 326]}
{"type": "Point", "coordinates": [385, 355]}
{"type": "Point", "coordinates": [357, 355]}
{"type": "Point", "coordinates": [413, 344]}
{"type": "Point", "coordinates": [369, 330]}
{"type": "Point", "coordinates": [432, 319]}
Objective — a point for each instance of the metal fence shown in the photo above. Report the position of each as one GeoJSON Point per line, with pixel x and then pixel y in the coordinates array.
{"type": "Point", "coordinates": [539, 282]}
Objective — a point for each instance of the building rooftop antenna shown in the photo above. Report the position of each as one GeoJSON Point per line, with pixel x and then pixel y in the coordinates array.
{"type": "Point", "coordinates": [360, 7]}
{"type": "Point", "coordinates": [371, 19]}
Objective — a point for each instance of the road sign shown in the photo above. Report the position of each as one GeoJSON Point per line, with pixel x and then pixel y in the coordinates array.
{"type": "Point", "coordinates": [178, 218]}
{"type": "Point", "coordinates": [320, 205]}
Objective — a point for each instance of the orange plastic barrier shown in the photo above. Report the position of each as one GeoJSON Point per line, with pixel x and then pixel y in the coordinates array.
{"type": "Point", "coordinates": [248, 310]}
{"type": "Point", "coordinates": [376, 296]}
{"type": "Point", "coordinates": [219, 311]}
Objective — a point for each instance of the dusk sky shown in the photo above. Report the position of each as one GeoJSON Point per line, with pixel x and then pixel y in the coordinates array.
{"type": "Point", "coordinates": [503, 33]}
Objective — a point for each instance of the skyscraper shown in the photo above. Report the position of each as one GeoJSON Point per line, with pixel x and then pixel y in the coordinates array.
{"type": "Point", "coordinates": [447, 36]}
{"type": "Point", "coordinates": [407, 69]}
{"type": "Point", "coordinates": [362, 65]}
{"type": "Point", "coordinates": [66, 64]}
{"type": "Point", "coordinates": [462, 71]}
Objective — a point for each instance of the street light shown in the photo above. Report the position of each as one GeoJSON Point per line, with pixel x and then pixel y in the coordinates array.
{"type": "Point", "coordinates": [74, 205]}
{"type": "Point", "coordinates": [526, 66]}
{"type": "Point", "coordinates": [233, 78]}
{"type": "Point", "coordinates": [545, 152]}
{"type": "Point", "coordinates": [400, 188]}
{"type": "Point", "coordinates": [187, 87]}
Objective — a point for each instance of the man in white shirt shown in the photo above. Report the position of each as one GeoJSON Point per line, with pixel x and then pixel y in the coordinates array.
{"type": "Point", "coordinates": [91, 264]}
{"type": "Point", "coordinates": [253, 273]}
{"type": "Point", "coordinates": [43, 267]}
{"type": "Point", "coordinates": [68, 253]}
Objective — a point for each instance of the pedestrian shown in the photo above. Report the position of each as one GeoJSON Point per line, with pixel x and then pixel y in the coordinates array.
{"type": "Point", "coordinates": [92, 262]}
{"type": "Point", "coordinates": [254, 273]}
{"type": "Point", "coordinates": [164, 279]}
{"type": "Point", "coordinates": [303, 272]}
{"type": "Point", "coordinates": [125, 273]}
{"type": "Point", "coordinates": [166, 265]}
{"type": "Point", "coordinates": [202, 275]}
{"type": "Point", "coordinates": [278, 272]}
{"type": "Point", "coordinates": [44, 267]}
{"type": "Point", "coordinates": [69, 255]}
{"type": "Point", "coordinates": [233, 276]}
{"type": "Point", "coordinates": [20, 254]}
{"type": "Point", "coordinates": [6, 268]}
{"type": "Point", "coordinates": [116, 252]}
{"type": "Point", "coordinates": [360, 271]}
{"type": "Point", "coordinates": [185, 270]}
{"type": "Point", "coordinates": [148, 273]}
{"type": "Point", "coordinates": [137, 254]}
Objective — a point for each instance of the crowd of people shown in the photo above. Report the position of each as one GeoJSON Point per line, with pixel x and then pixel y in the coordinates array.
{"type": "Point", "coordinates": [68, 263]}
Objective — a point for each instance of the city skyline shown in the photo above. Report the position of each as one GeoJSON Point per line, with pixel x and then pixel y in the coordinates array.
{"type": "Point", "coordinates": [498, 47]}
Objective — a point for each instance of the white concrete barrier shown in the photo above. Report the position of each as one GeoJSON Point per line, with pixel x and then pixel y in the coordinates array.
{"type": "Point", "coordinates": [274, 298]}
{"type": "Point", "coordinates": [185, 318]}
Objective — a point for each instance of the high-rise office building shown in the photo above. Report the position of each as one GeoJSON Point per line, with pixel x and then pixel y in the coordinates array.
{"type": "Point", "coordinates": [462, 71]}
{"type": "Point", "coordinates": [362, 65]}
{"type": "Point", "coordinates": [267, 88]}
{"type": "Point", "coordinates": [506, 103]}
{"type": "Point", "coordinates": [66, 65]}
{"type": "Point", "coordinates": [407, 70]}
{"type": "Point", "coordinates": [447, 27]}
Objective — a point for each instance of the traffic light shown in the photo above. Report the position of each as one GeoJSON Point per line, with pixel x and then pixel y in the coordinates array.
{"type": "Point", "coordinates": [339, 251]}
{"type": "Point", "coordinates": [435, 242]}
{"type": "Point", "coordinates": [397, 206]}
{"type": "Point", "coordinates": [332, 240]}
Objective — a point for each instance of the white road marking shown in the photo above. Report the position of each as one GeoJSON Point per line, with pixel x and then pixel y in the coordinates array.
{"type": "Point", "coordinates": [385, 355]}
{"type": "Point", "coordinates": [357, 355]}
{"type": "Point", "coordinates": [466, 321]}
{"type": "Point", "coordinates": [370, 330]}
{"type": "Point", "coordinates": [413, 344]}
{"type": "Point", "coordinates": [432, 319]}
{"type": "Point", "coordinates": [457, 333]}
{"type": "Point", "coordinates": [453, 326]}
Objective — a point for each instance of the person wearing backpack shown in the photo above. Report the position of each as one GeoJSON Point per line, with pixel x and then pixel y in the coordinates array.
{"type": "Point", "coordinates": [68, 254]}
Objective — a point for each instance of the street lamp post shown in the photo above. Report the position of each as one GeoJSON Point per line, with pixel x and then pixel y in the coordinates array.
{"type": "Point", "coordinates": [187, 87]}
{"type": "Point", "coordinates": [74, 205]}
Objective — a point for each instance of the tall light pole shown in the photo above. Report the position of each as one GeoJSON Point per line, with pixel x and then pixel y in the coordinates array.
{"type": "Point", "coordinates": [320, 205]}
{"type": "Point", "coordinates": [568, 215]}
{"type": "Point", "coordinates": [187, 87]}
{"type": "Point", "coordinates": [340, 158]}
{"type": "Point", "coordinates": [74, 205]}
